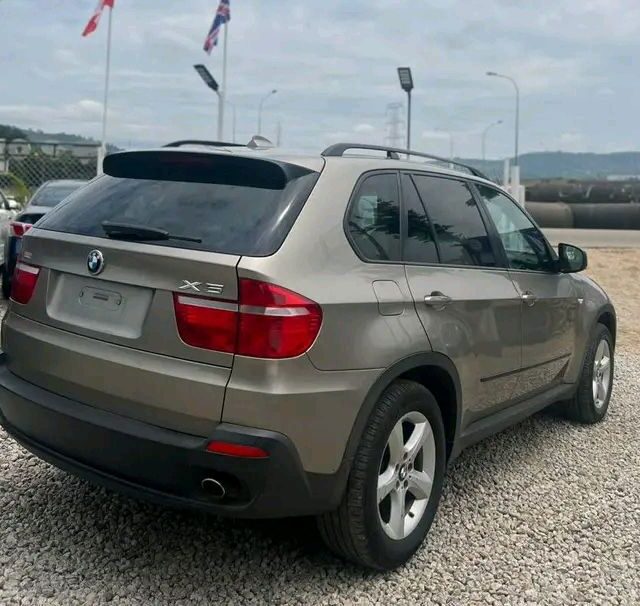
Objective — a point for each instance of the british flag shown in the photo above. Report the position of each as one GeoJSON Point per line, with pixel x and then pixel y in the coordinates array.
{"type": "Point", "coordinates": [223, 15]}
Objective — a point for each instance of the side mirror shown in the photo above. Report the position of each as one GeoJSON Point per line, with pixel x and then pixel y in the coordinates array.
{"type": "Point", "coordinates": [571, 259]}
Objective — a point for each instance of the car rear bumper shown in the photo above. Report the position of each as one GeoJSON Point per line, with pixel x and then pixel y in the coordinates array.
{"type": "Point", "coordinates": [162, 465]}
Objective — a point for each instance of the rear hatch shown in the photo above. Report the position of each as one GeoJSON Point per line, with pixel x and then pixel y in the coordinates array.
{"type": "Point", "coordinates": [123, 269]}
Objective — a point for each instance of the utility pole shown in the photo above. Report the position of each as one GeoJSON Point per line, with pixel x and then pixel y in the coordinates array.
{"type": "Point", "coordinates": [279, 134]}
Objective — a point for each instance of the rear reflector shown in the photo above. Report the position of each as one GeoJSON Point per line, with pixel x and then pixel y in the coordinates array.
{"type": "Point", "coordinates": [230, 449]}
{"type": "Point", "coordinates": [268, 322]}
{"type": "Point", "coordinates": [24, 282]}
{"type": "Point", "coordinates": [19, 229]}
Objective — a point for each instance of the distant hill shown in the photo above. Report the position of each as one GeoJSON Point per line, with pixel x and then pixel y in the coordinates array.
{"type": "Point", "coordinates": [564, 165]}
{"type": "Point", "coordinates": [534, 166]}
{"type": "Point", "coordinates": [12, 132]}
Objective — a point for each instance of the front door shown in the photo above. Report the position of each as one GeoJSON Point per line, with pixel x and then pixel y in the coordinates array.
{"type": "Point", "coordinates": [466, 302]}
{"type": "Point", "coordinates": [549, 299]}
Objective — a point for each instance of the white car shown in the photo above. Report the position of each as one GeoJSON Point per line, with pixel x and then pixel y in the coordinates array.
{"type": "Point", "coordinates": [9, 208]}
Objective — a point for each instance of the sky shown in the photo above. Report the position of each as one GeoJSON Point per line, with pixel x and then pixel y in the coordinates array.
{"type": "Point", "coordinates": [333, 63]}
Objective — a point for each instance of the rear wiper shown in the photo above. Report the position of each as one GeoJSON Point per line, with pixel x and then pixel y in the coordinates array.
{"type": "Point", "coordinates": [131, 231]}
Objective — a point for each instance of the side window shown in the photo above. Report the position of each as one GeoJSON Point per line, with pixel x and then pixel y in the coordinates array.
{"type": "Point", "coordinates": [419, 245]}
{"type": "Point", "coordinates": [462, 236]}
{"type": "Point", "coordinates": [523, 242]}
{"type": "Point", "coordinates": [374, 218]}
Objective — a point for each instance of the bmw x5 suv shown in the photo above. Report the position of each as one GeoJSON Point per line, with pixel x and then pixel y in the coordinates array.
{"type": "Point", "coordinates": [259, 334]}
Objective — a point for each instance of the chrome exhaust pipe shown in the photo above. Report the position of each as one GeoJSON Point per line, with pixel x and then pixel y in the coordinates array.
{"type": "Point", "coordinates": [213, 488]}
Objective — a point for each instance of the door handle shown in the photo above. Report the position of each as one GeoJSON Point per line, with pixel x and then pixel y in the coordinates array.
{"type": "Point", "coordinates": [529, 298]}
{"type": "Point", "coordinates": [437, 300]}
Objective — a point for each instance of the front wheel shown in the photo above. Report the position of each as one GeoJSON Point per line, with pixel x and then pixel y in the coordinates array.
{"type": "Point", "coordinates": [395, 482]}
{"type": "Point", "coordinates": [591, 401]}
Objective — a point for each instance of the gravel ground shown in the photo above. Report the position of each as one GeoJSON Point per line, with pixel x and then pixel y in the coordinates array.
{"type": "Point", "coordinates": [545, 513]}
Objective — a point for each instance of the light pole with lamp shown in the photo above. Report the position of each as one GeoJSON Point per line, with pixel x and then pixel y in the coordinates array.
{"type": "Point", "coordinates": [406, 82]}
{"type": "Point", "coordinates": [233, 120]}
{"type": "Point", "coordinates": [484, 137]}
{"type": "Point", "coordinates": [273, 92]}
{"type": "Point", "coordinates": [210, 81]}
{"type": "Point", "coordinates": [515, 85]}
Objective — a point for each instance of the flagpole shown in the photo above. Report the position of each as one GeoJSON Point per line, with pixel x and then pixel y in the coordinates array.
{"type": "Point", "coordinates": [103, 145]}
{"type": "Point", "coordinates": [223, 92]}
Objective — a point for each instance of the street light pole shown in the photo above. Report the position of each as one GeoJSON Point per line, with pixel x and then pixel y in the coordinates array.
{"type": "Point", "coordinates": [406, 82]}
{"type": "Point", "coordinates": [211, 82]}
{"type": "Point", "coordinates": [273, 92]}
{"type": "Point", "coordinates": [409, 120]}
{"type": "Point", "coordinates": [484, 137]}
{"type": "Point", "coordinates": [517, 89]}
{"type": "Point", "coordinates": [233, 120]}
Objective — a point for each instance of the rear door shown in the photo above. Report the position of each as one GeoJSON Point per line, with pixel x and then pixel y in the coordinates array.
{"type": "Point", "coordinates": [466, 301]}
{"type": "Point", "coordinates": [117, 322]}
{"type": "Point", "coordinates": [549, 299]}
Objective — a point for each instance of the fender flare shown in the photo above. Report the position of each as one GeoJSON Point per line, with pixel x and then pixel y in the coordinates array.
{"type": "Point", "coordinates": [402, 366]}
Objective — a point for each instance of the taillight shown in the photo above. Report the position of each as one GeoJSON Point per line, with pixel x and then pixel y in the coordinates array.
{"type": "Point", "coordinates": [19, 229]}
{"type": "Point", "coordinates": [269, 321]}
{"type": "Point", "coordinates": [23, 282]}
{"type": "Point", "coordinates": [207, 323]}
{"type": "Point", "coordinates": [275, 322]}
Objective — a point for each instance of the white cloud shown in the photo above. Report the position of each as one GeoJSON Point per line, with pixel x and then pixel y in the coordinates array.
{"type": "Point", "coordinates": [334, 64]}
{"type": "Point", "coordinates": [571, 141]}
{"type": "Point", "coordinates": [363, 128]}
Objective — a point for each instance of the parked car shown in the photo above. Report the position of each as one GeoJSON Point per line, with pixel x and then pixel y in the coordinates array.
{"type": "Point", "coordinates": [8, 209]}
{"type": "Point", "coordinates": [259, 334]}
{"type": "Point", "coordinates": [48, 195]}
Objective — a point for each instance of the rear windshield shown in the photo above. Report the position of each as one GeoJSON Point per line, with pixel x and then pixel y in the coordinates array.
{"type": "Point", "coordinates": [53, 194]}
{"type": "Point", "coordinates": [231, 219]}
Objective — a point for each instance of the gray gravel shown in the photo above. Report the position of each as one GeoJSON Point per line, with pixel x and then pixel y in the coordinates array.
{"type": "Point", "coordinates": [546, 512]}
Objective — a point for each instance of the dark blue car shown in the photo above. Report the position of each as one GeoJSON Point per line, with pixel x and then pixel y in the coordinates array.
{"type": "Point", "coordinates": [48, 195]}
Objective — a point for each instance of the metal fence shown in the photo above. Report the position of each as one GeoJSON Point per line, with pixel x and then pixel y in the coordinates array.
{"type": "Point", "coordinates": [25, 165]}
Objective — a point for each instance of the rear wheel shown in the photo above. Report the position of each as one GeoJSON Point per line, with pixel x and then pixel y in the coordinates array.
{"type": "Point", "coordinates": [591, 401]}
{"type": "Point", "coordinates": [395, 483]}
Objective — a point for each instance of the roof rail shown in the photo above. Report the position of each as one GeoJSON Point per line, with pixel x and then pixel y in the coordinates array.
{"type": "Point", "coordinates": [393, 153]}
{"type": "Point", "coordinates": [200, 142]}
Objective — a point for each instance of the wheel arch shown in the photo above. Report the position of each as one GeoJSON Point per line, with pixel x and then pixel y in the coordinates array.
{"type": "Point", "coordinates": [607, 317]}
{"type": "Point", "coordinates": [433, 370]}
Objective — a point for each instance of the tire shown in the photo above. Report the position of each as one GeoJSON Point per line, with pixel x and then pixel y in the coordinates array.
{"type": "Point", "coordinates": [584, 407]}
{"type": "Point", "coordinates": [6, 283]}
{"type": "Point", "coordinates": [359, 530]}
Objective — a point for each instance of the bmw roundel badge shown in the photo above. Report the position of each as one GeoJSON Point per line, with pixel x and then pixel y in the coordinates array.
{"type": "Point", "coordinates": [95, 262]}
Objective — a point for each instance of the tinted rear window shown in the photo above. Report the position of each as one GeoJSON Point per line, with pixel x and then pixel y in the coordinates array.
{"type": "Point", "coordinates": [231, 219]}
{"type": "Point", "coordinates": [53, 194]}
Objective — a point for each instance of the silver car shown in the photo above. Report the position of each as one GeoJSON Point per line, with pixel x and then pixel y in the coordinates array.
{"type": "Point", "coordinates": [259, 334]}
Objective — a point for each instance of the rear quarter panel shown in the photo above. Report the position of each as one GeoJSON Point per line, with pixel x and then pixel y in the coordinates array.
{"type": "Point", "coordinates": [317, 261]}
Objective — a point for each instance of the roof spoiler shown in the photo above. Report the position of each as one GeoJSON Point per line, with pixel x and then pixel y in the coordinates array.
{"type": "Point", "coordinates": [202, 167]}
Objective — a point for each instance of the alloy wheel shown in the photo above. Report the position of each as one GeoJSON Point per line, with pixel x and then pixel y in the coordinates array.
{"type": "Point", "coordinates": [406, 473]}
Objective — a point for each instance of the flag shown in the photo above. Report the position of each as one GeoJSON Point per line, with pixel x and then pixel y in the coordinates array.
{"type": "Point", "coordinates": [223, 15]}
{"type": "Point", "coordinates": [95, 18]}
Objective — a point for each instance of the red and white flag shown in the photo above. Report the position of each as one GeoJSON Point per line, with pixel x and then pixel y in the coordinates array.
{"type": "Point", "coordinates": [92, 26]}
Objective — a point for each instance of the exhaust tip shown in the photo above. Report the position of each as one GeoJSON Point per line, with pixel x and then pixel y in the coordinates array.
{"type": "Point", "coordinates": [213, 488]}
